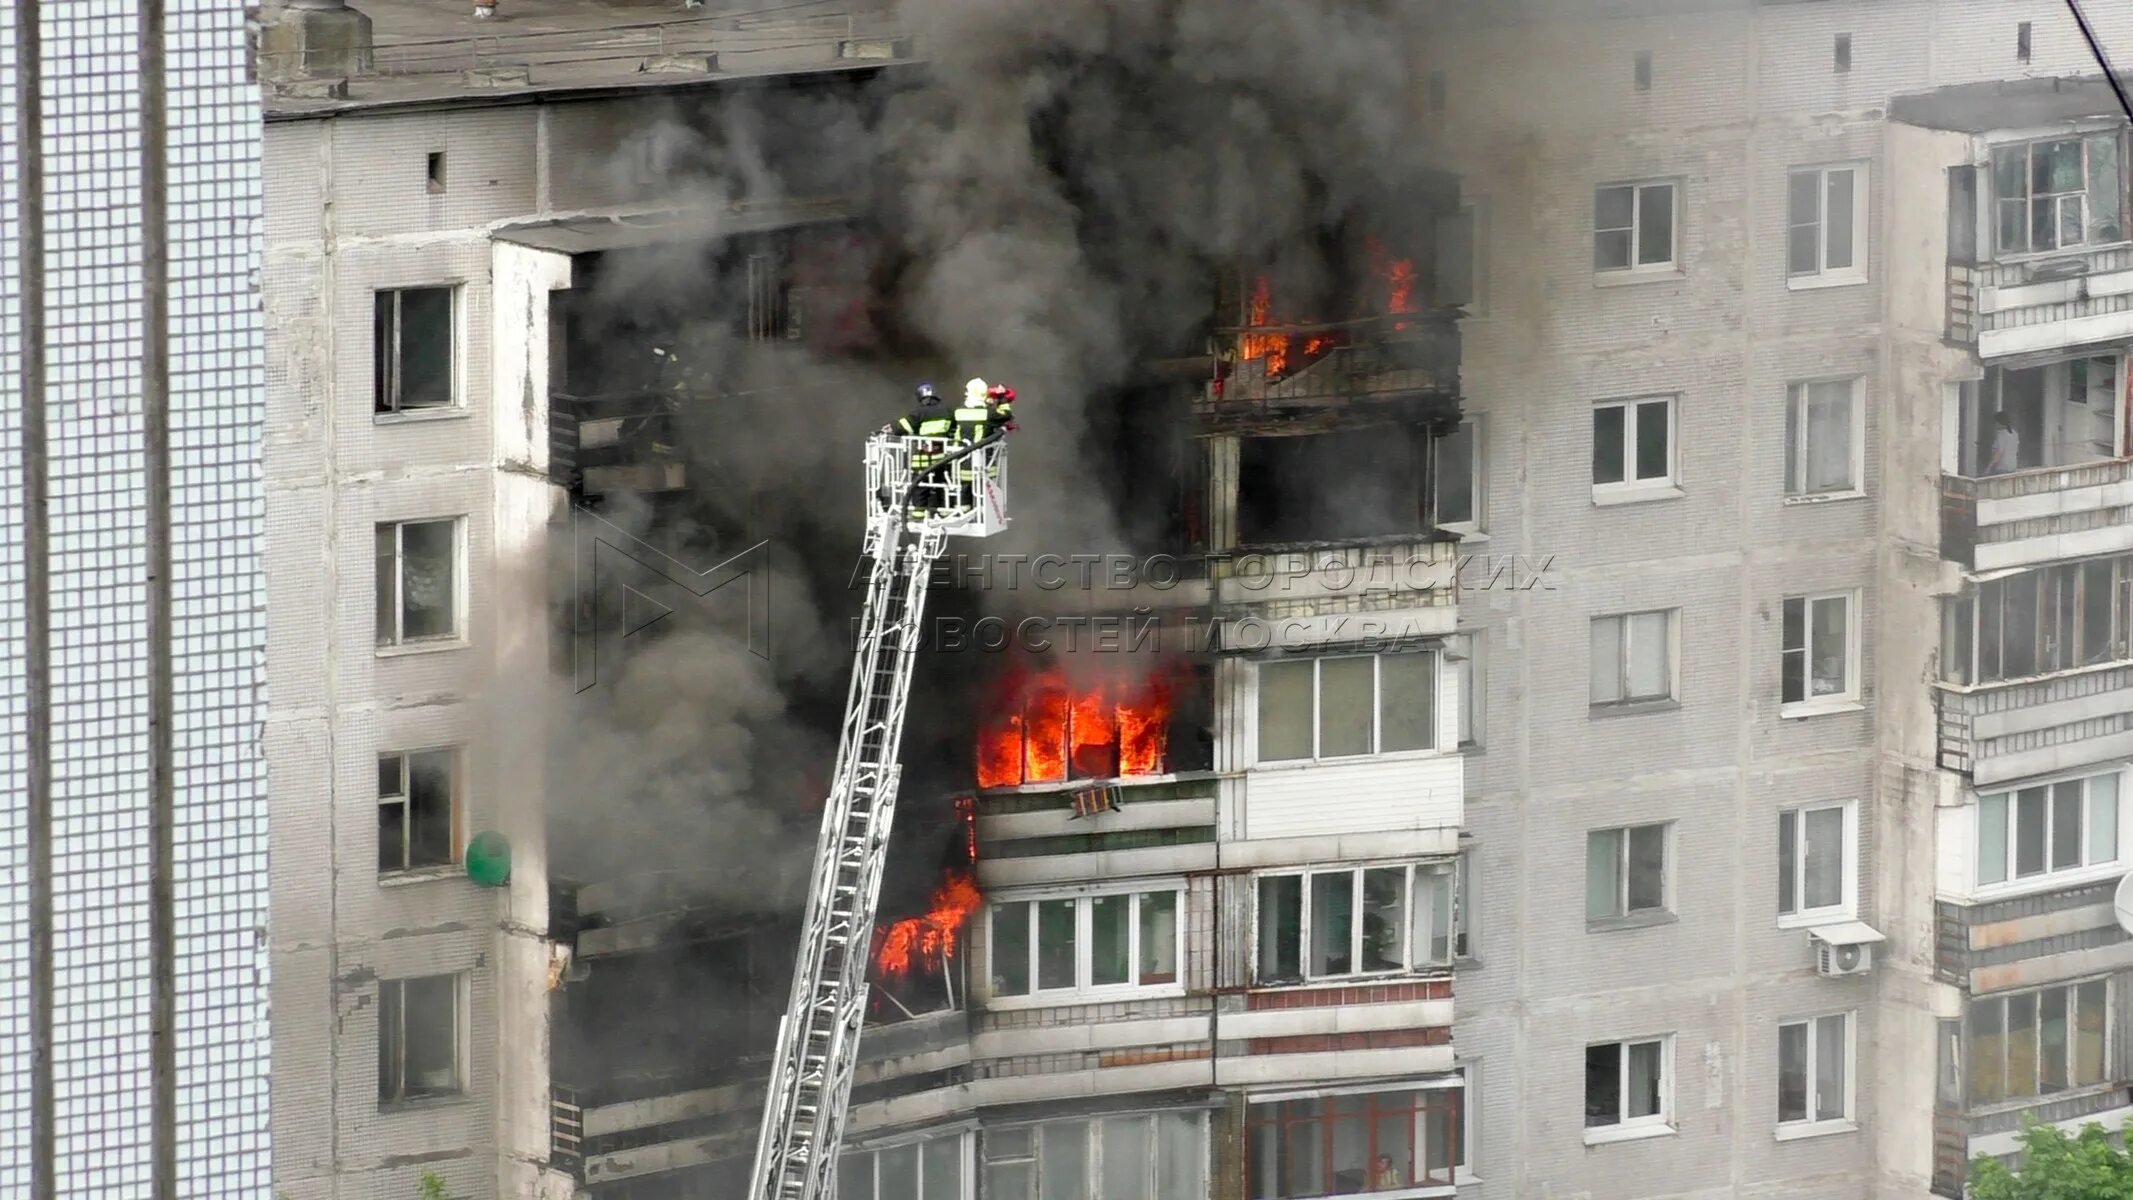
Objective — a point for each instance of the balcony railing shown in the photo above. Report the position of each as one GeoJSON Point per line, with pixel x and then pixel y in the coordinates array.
{"type": "Point", "coordinates": [2000, 732]}
{"type": "Point", "coordinates": [1296, 378]}
{"type": "Point", "coordinates": [2037, 516]}
{"type": "Point", "coordinates": [2028, 305]}
{"type": "Point", "coordinates": [622, 442]}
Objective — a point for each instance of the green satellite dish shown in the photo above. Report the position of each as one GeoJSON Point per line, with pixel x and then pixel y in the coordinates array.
{"type": "Point", "coordinates": [489, 859]}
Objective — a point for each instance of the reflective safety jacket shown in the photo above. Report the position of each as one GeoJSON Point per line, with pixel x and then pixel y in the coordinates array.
{"type": "Point", "coordinates": [973, 422]}
{"type": "Point", "coordinates": [931, 422]}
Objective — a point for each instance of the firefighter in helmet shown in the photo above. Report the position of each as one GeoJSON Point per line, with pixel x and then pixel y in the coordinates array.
{"type": "Point", "coordinates": [928, 419]}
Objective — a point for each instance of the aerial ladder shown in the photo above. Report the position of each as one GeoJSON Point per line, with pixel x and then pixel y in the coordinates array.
{"type": "Point", "coordinates": [920, 492]}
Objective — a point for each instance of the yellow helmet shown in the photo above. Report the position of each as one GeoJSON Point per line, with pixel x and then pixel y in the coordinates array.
{"type": "Point", "coordinates": [974, 391]}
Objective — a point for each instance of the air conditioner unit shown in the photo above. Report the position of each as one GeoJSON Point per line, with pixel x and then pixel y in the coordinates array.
{"type": "Point", "coordinates": [1845, 949]}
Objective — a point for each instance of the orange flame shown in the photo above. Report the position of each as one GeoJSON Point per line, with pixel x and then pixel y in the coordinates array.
{"type": "Point", "coordinates": [930, 938]}
{"type": "Point", "coordinates": [1398, 275]}
{"type": "Point", "coordinates": [1052, 731]}
{"type": "Point", "coordinates": [1273, 347]}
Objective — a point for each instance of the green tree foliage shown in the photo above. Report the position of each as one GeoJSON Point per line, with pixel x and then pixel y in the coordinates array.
{"type": "Point", "coordinates": [2058, 1167]}
{"type": "Point", "coordinates": [432, 1187]}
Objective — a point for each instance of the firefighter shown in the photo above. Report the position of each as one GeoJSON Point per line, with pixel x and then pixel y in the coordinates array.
{"type": "Point", "coordinates": [1001, 399]}
{"type": "Point", "coordinates": [975, 420]}
{"type": "Point", "coordinates": [931, 421]}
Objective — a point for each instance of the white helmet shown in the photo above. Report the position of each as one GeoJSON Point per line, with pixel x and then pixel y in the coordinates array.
{"type": "Point", "coordinates": [974, 391]}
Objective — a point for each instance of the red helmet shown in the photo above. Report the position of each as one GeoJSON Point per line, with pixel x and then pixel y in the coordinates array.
{"type": "Point", "coordinates": [1000, 391]}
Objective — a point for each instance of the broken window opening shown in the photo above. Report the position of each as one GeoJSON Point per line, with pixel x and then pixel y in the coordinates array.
{"type": "Point", "coordinates": [2059, 414]}
{"type": "Point", "coordinates": [1349, 485]}
{"type": "Point", "coordinates": [418, 1038]}
{"type": "Point", "coordinates": [1356, 1142]}
{"type": "Point", "coordinates": [412, 337]}
{"type": "Point", "coordinates": [2058, 194]}
{"type": "Point", "coordinates": [417, 581]}
{"type": "Point", "coordinates": [1052, 726]}
{"type": "Point", "coordinates": [2055, 618]}
{"type": "Point", "coordinates": [1455, 467]}
{"type": "Point", "coordinates": [415, 811]}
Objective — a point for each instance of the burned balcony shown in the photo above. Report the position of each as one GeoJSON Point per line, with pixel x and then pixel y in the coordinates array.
{"type": "Point", "coordinates": [615, 444]}
{"type": "Point", "coordinates": [1277, 378]}
{"type": "Point", "coordinates": [2038, 472]}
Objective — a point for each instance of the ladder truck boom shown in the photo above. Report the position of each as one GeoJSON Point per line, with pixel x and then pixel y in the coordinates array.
{"type": "Point", "coordinates": [920, 492]}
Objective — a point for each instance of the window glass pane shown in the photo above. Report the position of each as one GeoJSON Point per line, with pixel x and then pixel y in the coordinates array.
{"type": "Point", "coordinates": [1603, 1085]}
{"type": "Point", "coordinates": [1829, 438]}
{"type": "Point", "coordinates": [2066, 825]}
{"type": "Point", "coordinates": [1647, 868]}
{"type": "Point", "coordinates": [425, 348]}
{"type": "Point", "coordinates": [383, 307]}
{"type": "Point", "coordinates": [1823, 885]}
{"type": "Point", "coordinates": [1439, 1134]}
{"type": "Point", "coordinates": [426, 579]}
{"type": "Point", "coordinates": [389, 1047]}
{"type": "Point", "coordinates": [1280, 927]}
{"type": "Point", "coordinates": [1655, 225]}
{"type": "Point", "coordinates": [2103, 819]}
{"type": "Point", "coordinates": [1839, 241]}
{"type": "Point", "coordinates": [1393, 1164]}
{"type": "Point", "coordinates": [2052, 1039]}
{"type": "Point", "coordinates": [2029, 832]}
{"type": "Point", "coordinates": [1802, 201]}
{"type": "Point", "coordinates": [2095, 612]}
{"type": "Point", "coordinates": [1127, 1152]}
{"type": "Point", "coordinates": [1792, 1072]}
{"type": "Point", "coordinates": [1644, 1080]}
{"type": "Point", "coordinates": [1063, 1161]}
{"type": "Point", "coordinates": [1110, 931]}
{"type": "Point", "coordinates": [1015, 1142]}
{"type": "Point", "coordinates": [2018, 642]}
{"type": "Point", "coordinates": [1830, 663]}
{"type": "Point", "coordinates": [431, 1026]}
{"type": "Point", "coordinates": [1610, 250]}
{"type": "Point", "coordinates": [1649, 676]}
{"type": "Point", "coordinates": [1346, 697]}
{"type": "Point", "coordinates": [855, 1177]}
{"type": "Point", "coordinates": [1455, 475]}
{"type": "Point", "coordinates": [1285, 710]}
{"type": "Point", "coordinates": [2022, 1045]}
{"type": "Point", "coordinates": [1803, 247]}
{"type": "Point", "coordinates": [1433, 889]}
{"type": "Point", "coordinates": [1178, 1156]}
{"type": "Point", "coordinates": [1654, 460]}
{"type": "Point", "coordinates": [1609, 443]}
{"type": "Point", "coordinates": [1010, 949]}
{"type": "Point", "coordinates": [941, 1165]}
{"type": "Point", "coordinates": [1009, 1181]}
{"type": "Point", "coordinates": [1055, 943]}
{"type": "Point", "coordinates": [1606, 660]}
{"type": "Point", "coordinates": [1471, 680]}
{"type": "Point", "coordinates": [429, 809]}
{"type": "Point", "coordinates": [1795, 430]}
{"type": "Point", "coordinates": [1829, 1069]}
{"type": "Point", "coordinates": [1788, 860]}
{"type": "Point", "coordinates": [2105, 181]}
{"type": "Point", "coordinates": [1384, 918]}
{"type": "Point", "coordinates": [1612, 207]}
{"type": "Point", "coordinates": [2056, 167]}
{"type": "Point", "coordinates": [1303, 1154]}
{"type": "Point", "coordinates": [898, 1178]}
{"type": "Point", "coordinates": [388, 558]}
{"type": "Point", "coordinates": [1407, 719]}
{"type": "Point", "coordinates": [1988, 1052]}
{"type": "Point", "coordinates": [1992, 839]}
{"type": "Point", "coordinates": [1603, 878]}
{"type": "Point", "coordinates": [1795, 651]}
{"type": "Point", "coordinates": [392, 836]}
{"type": "Point", "coordinates": [2089, 1026]}
{"type": "Point", "coordinates": [1348, 1131]}
{"type": "Point", "coordinates": [1159, 937]}
{"type": "Point", "coordinates": [1332, 922]}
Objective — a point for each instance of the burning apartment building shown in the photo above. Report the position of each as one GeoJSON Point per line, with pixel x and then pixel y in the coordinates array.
{"type": "Point", "coordinates": [1286, 862]}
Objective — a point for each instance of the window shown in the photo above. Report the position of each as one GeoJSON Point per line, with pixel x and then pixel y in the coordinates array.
{"type": "Point", "coordinates": [1462, 273]}
{"type": "Point", "coordinates": [2039, 1043]}
{"type": "Point", "coordinates": [1633, 227]}
{"type": "Point", "coordinates": [1823, 439]}
{"type": "Point", "coordinates": [418, 1038]}
{"type": "Point", "coordinates": [1632, 658]}
{"type": "Point", "coordinates": [2065, 827]}
{"type": "Point", "coordinates": [1816, 863]}
{"type": "Point", "coordinates": [1344, 707]}
{"type": "Point", "coordinates": [1473, 687]}
{"type": "Point", "coordinates": [1120, 941]}
{"type": "Point", "coordinates": [1350, 1142]}
{"type": "Point", "coordinates": [433, 172]}
{"type": "Point", "coordinates": [1627, 1086]}
{"type": "Point", "coordinates": [2055, 618]}
{"type": "Point", "coordinates": [415, 811]}
{"type": "Point", "coordinates": [1843, 54]}
{"type": "Point", "coordinates": [2057, 194]}
{"type": "Point", "coordinates": [1137, 1157]}
{"type": "Point", "coordinates": [1466, 930]}
{"type": "Point", "coordinates": [1826, 224]}
{"type": "Point", "coordinates": [1814, 1074]}
{"type": "Point", "coordinates": [1355, 921]}
{"type": "Point", "coordinates": [1457, 471]}
{"type": "Point", "coordinates": [2055, 414]}
{"type": "Point", "coordinates": [1625, 872]}
{"type": "Point", "coordinates": [1632, 445]}
{"type": "Point", "coordinates": [411, 353]}
{"type": "Point", "coordinates": [928, 1170]}
{"type": "Point", "coordinates": [418, 581]}
{"type": "Point", "coordinates": [1819, 652]}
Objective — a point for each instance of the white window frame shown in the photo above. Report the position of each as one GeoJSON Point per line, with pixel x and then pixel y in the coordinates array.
{"type": "Point", "coordinates": [399, 643]}
{"type": "Point", "coordinates": [1094, 1165]}
{"type": "Point", "coordinates": [1627, 1128]}
{"type": "Point", "coordinates": [1809, 1126]}
{"type": "Point", "coordinates": [460, 1066]}
{"type": "Point", "coordinates": [1477, 484]}
{"type": "Point", "coordinates": [1823, 276]}
{"type": "Point", "coordinates": [1810, 704]}
{"type": "Point", "coordinates": [454, 372]}
{"type": "Point", "coordinates": [1847, 906]}
{"type": "Point", "coordinates": [1798, 399]}
{"type": "Point", "coordinates": [1671, 265]}
{"type": "Point", "coordinates": [1629, 488]}
{"type": "Point", "coordinates": [1673, 660]}
{"type": "Point", "coordinates": [2027, 141]}
{"type": "Point", "coordinates": [2048, 879]}
{"type": "Point", "coordinates": [873, 1152]}
{"type": "Point", "coordinates": [1377, 713]}
{"type": "Point", "coordinates": [1469, 647]}
{"type": "Point", "coordinates": [1628, 916]}
{"type": "Point", "coordinates": [453, 803]}
{"type": "Point", "coordinates": [1963, 623]}
{"type": "Point", "coordinates": [1415, 965]}
{"type": "Point", "coordinates": [1039, 996]}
